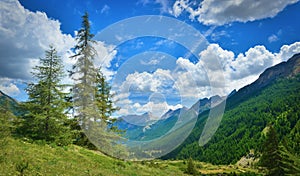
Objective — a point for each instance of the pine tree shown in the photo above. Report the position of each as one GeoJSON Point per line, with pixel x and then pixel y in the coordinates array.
{"type": "Point", "coordinates": [84, 74]}
{"type": "Point", "coordinates": [104, 98]}
{"type": "Point", "coordinates": [46, 118]}
{"type": "Point", "coordinates": [270, 154]}
{"type": "Point", "coordinates": [290, 162]}
{"type": "Point", "coordinates": [191, 169]}
{"type": "Point", "coordinates": [92, 99]}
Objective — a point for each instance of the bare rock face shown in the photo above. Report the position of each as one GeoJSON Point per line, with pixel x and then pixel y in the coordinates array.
{"type": "Point", "coordinates": [286, 69]}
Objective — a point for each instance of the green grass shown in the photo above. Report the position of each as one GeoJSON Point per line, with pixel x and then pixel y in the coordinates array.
{"type": "Point", "coordinates": [19, 157]}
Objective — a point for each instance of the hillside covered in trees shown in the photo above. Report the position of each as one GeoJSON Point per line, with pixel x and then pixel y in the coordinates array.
{"type": "Point", "coordinates": [270, 102]}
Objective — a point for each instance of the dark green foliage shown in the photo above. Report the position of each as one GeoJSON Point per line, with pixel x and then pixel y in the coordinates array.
{"type": "Point", "coordinates": [243, 123]}
{"type": "Point", "coordinates": [191, 169]}
{"type": "Point", "coordinates": [277, 158]}
{"type": "Point", "coordinates": [21, 166]}
{"type": "Point", "coordinates": [8, 124]}
{"type": "Point", "coordinates": [45, 117]}
{"type": "Point", "coordinates": [270, 153]}
{"type": "Point", "coordinates": [6, 121]}
{"type": "Point", "coordinates": [289, 163]}
{"type": "Point", "coordinates": [103, 98]}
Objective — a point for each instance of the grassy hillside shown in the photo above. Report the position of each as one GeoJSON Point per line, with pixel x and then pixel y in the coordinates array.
{"type": "Point", "coordinates": [41, 159]}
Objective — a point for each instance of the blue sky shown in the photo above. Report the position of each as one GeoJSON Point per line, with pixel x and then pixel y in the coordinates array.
{"type": "Point", "coordinates": [185, 51]}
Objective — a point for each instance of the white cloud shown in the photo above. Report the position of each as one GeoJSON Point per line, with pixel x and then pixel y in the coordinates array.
{"type": "Point", "coordinates": [216, 12]}
{"type": "Point", "coordinates": [147, 82]}
{"type": "Point", "coordinates": [151, 62]}
{"type": "Point", "coordinates": [217, 35]}
{"type": "Point", "coordinates": [156, 109]}
{"type": "Point", "coordinates": [273, 38]}
{"type": "Point", "coordinates": [165, 4]}
{"type": "Point", "coordinates": [105, 9]}
{"type": "Point", "coordinates": [287, 51]}
{"type": "Point", "coordinates": [25, 36]}
{"type": "Point", "coordinates": [105, 54]}
{"type": "Point", "coordinates": [236, 71]}
{"type": "Point", "coordinates": [9, 87]}
{"type": "Point", "coordinates": [218, 71]}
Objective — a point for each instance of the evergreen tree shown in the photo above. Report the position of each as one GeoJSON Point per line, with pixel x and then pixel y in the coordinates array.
{"type": "Point", "coordinates": [84, 74]}
{"type": "Point", "coordinates": [45, 117]}
{"type": "Point", "coordinates": [289, 163]}
{"type": "Point", "coordinates": [270, 153]}
{"type": "Point", "coordinates": [7, 122]}
{"type": "Point", "coordinates": [92, 99]}
{"type": "Point", "coordinates": [104, 98]}
{"type": "Point", "coordinates": [191, 169]}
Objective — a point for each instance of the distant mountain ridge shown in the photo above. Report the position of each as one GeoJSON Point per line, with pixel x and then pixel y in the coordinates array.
{"type": "Point", "coordinates": [4, 96]}
{"type": "Point", "coordinates": [273, 98]}
{"type": "Point", "coordinates": [285, 69]}
{"type": "Point", "coordinates": [140, 127]}
{"type": "Point", "coordinates": [12, 103]}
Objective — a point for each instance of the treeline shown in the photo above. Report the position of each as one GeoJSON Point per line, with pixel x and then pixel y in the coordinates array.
{"type": "Point", "coordinates": [59, 113]}
{"type": "Point", "coordinates": [244, 128]}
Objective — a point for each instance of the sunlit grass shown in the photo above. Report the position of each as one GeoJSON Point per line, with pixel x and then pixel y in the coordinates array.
{"type": "Point", "coordinates": [19, 157]}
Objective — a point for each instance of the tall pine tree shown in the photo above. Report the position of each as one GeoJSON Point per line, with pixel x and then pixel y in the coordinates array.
{"type": "Point", "coordinates": [45, 117]}
{"type": "Point", "coordinates": [92, 99]}
{"type": "Point", "coordinates": [84, 74]}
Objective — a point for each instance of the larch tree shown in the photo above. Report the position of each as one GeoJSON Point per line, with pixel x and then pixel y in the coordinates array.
{"type": "Point", "coordinates": [45, 117]}
{"type": "Point", "coordinates": [84, 75]}
{"type": "Point", "coordinates": [92, 98]}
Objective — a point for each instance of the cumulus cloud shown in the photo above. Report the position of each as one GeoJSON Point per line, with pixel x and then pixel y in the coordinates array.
{"type": "Point", "coordinates": [24, 38]}
{"type": "Point", "coordinates": [215, 12]}
{"type": "Point", "coordinates": [147, 82]}
{"type": "Point", "coordinates": [218, 72]}
{"type": "Point", "coordinates": [287, 51]}
{"type": "Point", "coordinates": [238, 71]}
{"type": "Point", "coordinates": [150, 88]}
{"type": "Point", "coordinates": [9, 87]}
{"type": "Point", "coordinates": [105, 54]}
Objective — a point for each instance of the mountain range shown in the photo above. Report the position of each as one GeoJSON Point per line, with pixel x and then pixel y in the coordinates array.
{"type": "Point", "coordinates": [274, 98]}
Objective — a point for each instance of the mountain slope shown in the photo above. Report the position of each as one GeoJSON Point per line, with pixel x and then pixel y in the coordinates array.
{"type": "Point", "coordinates": [286, 69]}
{"type": "Point", "coordinates": [135, 130]}
{"type": "Point", "coordinates": [9, 103]}
{"type": "Point", "coordinates": [273, 98]}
